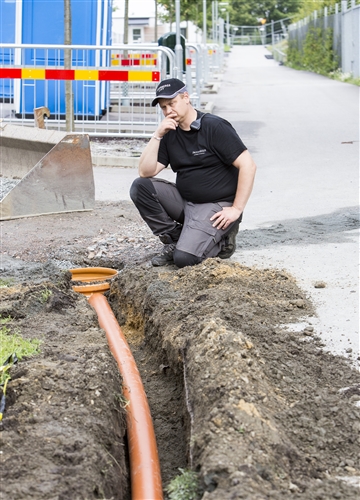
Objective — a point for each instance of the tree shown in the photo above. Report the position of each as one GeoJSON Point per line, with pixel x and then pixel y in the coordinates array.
{"type": "Point", "coordinates": [249, 12]}
{"type": "Point", "coordinates": [241, 12]}
{"type": "Point", "coordinates": [308, 8]}
{"type": "Point", "coordinates": [190, 10]}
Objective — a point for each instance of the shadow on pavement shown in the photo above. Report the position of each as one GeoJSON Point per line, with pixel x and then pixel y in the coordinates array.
{"type": "Point", "coordinates": [324, 228]}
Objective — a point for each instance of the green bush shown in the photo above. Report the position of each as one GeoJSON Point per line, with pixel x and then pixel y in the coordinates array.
{"type": "Point", "coordinates": [317, 54]}
{"type": "Point", "coordinates": [294, 56]}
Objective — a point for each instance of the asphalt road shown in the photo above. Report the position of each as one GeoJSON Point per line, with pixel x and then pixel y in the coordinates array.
{"type": "Point", "coordinates": [303, 131]}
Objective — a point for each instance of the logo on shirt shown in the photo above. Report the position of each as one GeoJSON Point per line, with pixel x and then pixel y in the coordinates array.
{"type": "Point", "coordinates": [200, 152]}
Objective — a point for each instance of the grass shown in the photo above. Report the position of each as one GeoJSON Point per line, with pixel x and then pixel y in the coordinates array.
{"type": "Point", "coordinates": [45, 294]}
{"type": "Point", "coordinates": [11, 343]}
{"type": "Point", "coordinates": [6, 283]}
{"type": "Point", "coordinates": [334, 75]}
{"type": "Point", "coordinates": [344, 77]}
{"type": "Point", "coordinates": [12, 349]}
{"type": "Point", "coordinates": [184, 486]}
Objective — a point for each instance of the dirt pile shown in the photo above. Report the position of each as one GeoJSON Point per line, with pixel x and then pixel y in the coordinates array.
{"type": "Point", "coordinates": [63, 430]}
{"type": "Point", "coordinates": [257, 409]}
{"type": "Point", "coordinates": [268, 411]}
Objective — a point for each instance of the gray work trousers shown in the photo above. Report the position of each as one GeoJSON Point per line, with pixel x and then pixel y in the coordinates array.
{"type": "Point", "coordinates": [176, 220]}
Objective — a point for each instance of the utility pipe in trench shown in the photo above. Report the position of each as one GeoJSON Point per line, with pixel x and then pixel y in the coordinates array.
{"type": "Point", "coordinates": [144, 460]}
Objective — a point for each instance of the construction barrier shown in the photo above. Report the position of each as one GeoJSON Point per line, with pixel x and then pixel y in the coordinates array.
{"type": "Point", "coordinates": [79, 74]}
{"type": "Point", "coordinates": [112, 86]}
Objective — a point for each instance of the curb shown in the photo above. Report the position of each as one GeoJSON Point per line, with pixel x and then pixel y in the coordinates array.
{"type": "Point", "coordinates": [115, 161]}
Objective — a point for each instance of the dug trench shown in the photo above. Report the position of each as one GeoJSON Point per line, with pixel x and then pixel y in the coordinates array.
{"type": "Point", "coordinates": [255, 408]}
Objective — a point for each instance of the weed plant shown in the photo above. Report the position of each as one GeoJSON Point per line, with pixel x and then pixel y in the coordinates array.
{"type": "Point", "coordinates": [13, 343]}
{"type": "Point", "coordinates": [184, 486]}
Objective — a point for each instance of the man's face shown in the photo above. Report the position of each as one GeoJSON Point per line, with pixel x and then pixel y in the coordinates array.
{"type": "Point", "coordinates": [176, 107]}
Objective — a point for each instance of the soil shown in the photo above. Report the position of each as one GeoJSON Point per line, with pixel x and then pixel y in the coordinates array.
{"type": "Point", "coordinates": [257, 410]}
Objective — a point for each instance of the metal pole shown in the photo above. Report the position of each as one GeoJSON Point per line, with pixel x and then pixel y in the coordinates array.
{"type": "Point", "coordinates": [213, 20]}
{"type": "Point", "coordinates": [216, 21]}
{"type": "Point", "coordinates": [69, 104]}
{"type": "Point", "coordinates": [125, 86]}
{"type": "Point", "coordinates": [227, 29]}
{"type": "Point", "coordinates": [156, 21]}
{"type": "Point", "coordinates": [126, 22]}
{"type": "Point", "coordinates": [204, 22]}
{"type": "Point", "coordinates": [205, 51]}
{"type": "Point", "coordinates": [178, 46]}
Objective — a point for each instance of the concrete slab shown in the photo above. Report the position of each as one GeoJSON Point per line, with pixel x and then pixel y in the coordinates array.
{"type": "Point", "coordinates": [21, 148]}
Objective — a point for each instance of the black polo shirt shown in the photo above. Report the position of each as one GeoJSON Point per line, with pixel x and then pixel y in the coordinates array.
{"type": "Point", "coordinates": [202, 159]}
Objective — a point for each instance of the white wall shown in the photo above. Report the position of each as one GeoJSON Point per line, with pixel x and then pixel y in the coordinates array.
{"type": "Point", "coordinates": [146, 8]}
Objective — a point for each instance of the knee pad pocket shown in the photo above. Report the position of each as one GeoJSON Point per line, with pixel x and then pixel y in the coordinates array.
{"type": "Point", "coordinates": [183, 259]}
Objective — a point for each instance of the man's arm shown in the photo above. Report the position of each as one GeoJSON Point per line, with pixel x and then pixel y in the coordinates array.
{"type": "Point", "coordinates": [247, 169]}
{"type": "Point", "coordinates": [148, 164]}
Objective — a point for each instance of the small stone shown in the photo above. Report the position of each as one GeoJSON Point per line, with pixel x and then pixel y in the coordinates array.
{"type": "Point", "coordinates": [249, 345]}
{"type": "Point", "coordinates": [320, 284]}
{"type": "Point", "coordinates": [350, 463]}
{"type": "Point", "coordinates": [298, 303]}
{"type": "Point", "coordinates": [350, 469]}
{"type": "Point", "coordinates": [217, 421]}
{"type": "Point", "coordinates": [293, 487]}
{"type": "Point", "coordinates": [308, 331]}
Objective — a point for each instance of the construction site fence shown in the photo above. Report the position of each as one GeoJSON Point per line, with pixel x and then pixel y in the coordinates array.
{"type": "Point", "coordinates": [265, 34]}
{"type": "Point", "coordinates": [342, 20]}
{"type": "Point", "coordinates": [111, 88]}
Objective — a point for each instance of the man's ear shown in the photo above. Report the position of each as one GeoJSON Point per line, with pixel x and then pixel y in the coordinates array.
{"type": "Point", "coordinates": [186, 96]}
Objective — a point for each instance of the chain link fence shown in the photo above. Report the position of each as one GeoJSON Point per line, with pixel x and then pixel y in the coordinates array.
{"type": "Point", "coordinates": [343, 21]}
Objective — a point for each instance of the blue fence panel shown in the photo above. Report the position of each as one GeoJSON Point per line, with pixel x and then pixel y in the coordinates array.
{"type": "Point", "coordinates": [7, 35]}
{"type": "Point", "coordinates": [42, 22]}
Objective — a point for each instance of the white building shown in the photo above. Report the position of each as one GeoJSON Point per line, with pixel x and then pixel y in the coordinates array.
{"type": "Point", "coordinates": [141, 26]}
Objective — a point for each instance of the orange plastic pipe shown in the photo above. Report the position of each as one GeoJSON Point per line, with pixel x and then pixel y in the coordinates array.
{"type": "Point", "coordinates": [144, 460]}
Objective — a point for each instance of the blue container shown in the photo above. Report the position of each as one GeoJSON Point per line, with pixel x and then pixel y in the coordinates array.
{"type": "Point", "coordinates": [42, 22]}
{"type": "Point", "coordinates": [7, 35]}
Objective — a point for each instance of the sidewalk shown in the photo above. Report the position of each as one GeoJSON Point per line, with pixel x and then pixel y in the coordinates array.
{"type": "Point", "coordinates": [303, 132]}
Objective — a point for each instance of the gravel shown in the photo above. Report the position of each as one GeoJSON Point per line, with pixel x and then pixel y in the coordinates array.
{"type": "Point", "coordinates": [6, 185]}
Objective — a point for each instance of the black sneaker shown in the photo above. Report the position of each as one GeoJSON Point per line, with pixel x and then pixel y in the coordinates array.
{"type": "Point", "coordinates": [166, 256]}
{"type": "Point", "coordinates": [230, 242]}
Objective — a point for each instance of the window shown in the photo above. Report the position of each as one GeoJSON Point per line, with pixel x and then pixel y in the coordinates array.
{"type": "Point", "coordinates": [136, 34]}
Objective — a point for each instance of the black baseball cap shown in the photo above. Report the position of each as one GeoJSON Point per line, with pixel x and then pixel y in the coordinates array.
{"type": "Point", "coordinates": [167, 89]}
